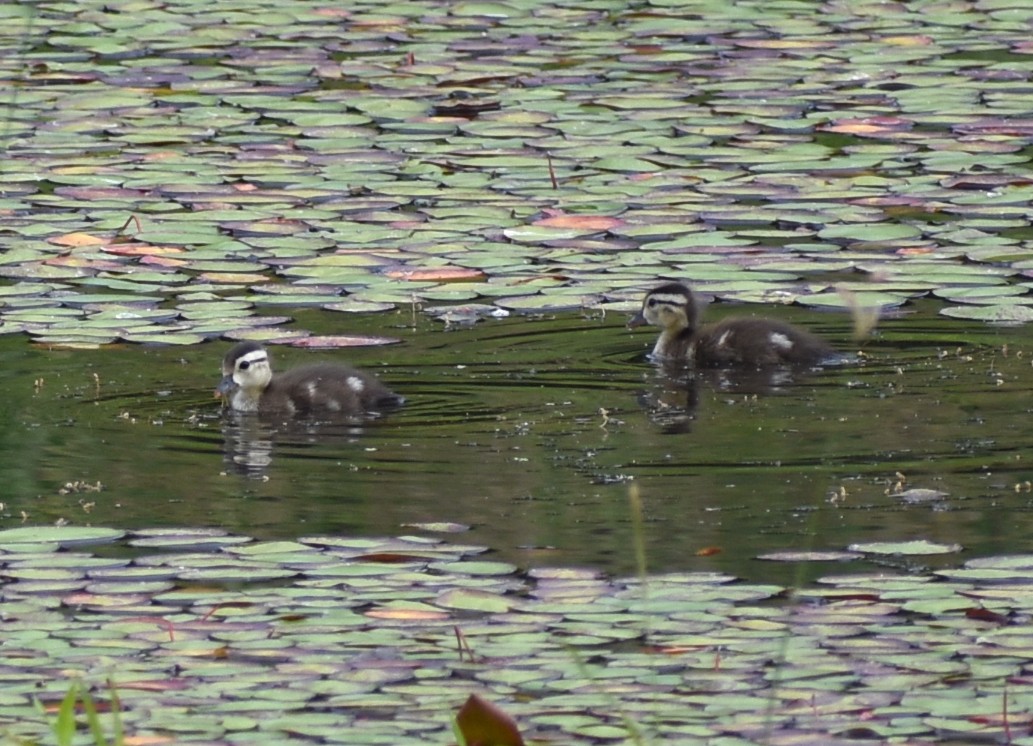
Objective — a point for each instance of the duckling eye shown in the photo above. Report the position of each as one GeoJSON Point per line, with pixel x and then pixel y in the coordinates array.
{"type": "Point", "coordinates": [244, 365]}
{"type": "Point", "coordinates": [651, 302]}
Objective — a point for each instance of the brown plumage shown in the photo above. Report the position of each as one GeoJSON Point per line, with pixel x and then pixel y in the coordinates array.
{"type": "Point", "coordinates": [733, 342]}
{"type": "Point", "coordinates": [323, 389]}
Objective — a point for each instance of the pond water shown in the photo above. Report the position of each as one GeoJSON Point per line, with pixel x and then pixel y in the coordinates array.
{"type": "Point", "coordinates": [505, 432]}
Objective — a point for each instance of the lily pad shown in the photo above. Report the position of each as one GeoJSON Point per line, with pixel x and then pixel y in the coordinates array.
{"type": "Point", "coordinates": [65, 536]}
{"type": "Point", "coordinates": [916, 547]}
{"type": "Point", "coordinates": [994, 313]}
{"type": "Point", "coordinates": [338, 341]}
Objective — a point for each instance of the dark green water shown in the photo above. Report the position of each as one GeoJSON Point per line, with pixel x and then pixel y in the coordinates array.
{"type": "Point", "coordinates": [503, 432]}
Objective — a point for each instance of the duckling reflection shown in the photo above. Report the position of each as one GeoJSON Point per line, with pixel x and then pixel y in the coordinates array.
{"type": "Point", "coordinates": [673, 400]}
{"type": "Point", "coordinates": [249, 442]}
{"type": "Point", "coordinates": [247, 445]}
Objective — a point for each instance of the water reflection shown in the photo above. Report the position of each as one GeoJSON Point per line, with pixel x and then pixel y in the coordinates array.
{"type": "Point", "coordinates": [674, 397]}
{"type": "Point", "coordinates": [529, 431]}
{"type": "Point", "coordinates": [249, 438]}
{"type": "Point", "coordinates": [248, 444]}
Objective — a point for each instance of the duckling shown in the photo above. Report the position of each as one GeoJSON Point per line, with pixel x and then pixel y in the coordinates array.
{"type": "Point", "coordinates": [733, 342]}
{"type": "Point", "coordinates": [249, 385]}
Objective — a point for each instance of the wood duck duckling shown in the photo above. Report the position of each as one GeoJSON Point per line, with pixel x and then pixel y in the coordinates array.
{"type": "Point", "coordinates": [730, 343]}
{"type": "Point", "coordinates": [248, 384]}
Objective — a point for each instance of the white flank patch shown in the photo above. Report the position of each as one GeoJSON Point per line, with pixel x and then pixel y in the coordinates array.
{"type": "Point", "coordinates": [333, 405]}
{"type": "Point", "coordinates": [780, 341]}
{"type": "Point", "coordinates": [722, 341]}
{"type": "Point", "coordinates": [310, 389]}
{"type": "Point", "coordinates": [355, 384]}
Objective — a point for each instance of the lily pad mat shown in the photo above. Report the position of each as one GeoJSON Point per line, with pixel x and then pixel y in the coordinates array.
{"type": "Point", "coordinates": [173, 173]}
{"type": "Point", "coordinates": [208, 637]}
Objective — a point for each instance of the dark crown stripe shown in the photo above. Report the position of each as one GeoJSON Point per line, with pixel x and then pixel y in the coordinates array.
{"type": "Point", "coordinates": [670, 299]}
{"type": "Point", "coordinates": [253, 357]}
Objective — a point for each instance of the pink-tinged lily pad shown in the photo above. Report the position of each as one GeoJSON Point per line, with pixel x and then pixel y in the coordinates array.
{"type": "Point", "coordinates": [234, 278]}
{"type": "Point", "coordinates": [869, 126]}
{"type": "Point", "coordinates": [75, 240]}
{"type": "Point", "coordinates": [587, 223]}
{"type": "Point", "coordinates": [436, 274]}
{"type": "Point", "coordinates": [141, 249]}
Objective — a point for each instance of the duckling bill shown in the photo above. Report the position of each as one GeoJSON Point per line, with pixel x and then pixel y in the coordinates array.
{"type": "Point", "coordinates": [730, 343]}
{"type": "Point", "coordinates": [249, 385]}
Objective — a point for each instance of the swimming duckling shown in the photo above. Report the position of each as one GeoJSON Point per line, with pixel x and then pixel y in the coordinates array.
{"type": "Point", "coordinates": [733, 342]}
{"type": "Point", "coordinates": [249, 385]}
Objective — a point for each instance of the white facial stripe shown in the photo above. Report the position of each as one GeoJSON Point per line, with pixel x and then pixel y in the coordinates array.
{"type": "Point", "coordinates": [258, 356]}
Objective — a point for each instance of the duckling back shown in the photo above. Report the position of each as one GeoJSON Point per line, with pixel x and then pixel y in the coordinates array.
{"type": "Point", "coordinates": [328, 389]}
{"type": "Point", "coordinates": [757, 343]}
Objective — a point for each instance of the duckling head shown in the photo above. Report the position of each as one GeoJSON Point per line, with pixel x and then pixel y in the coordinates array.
{"type": "Point", "coordinates": [671, 307]}
{"type": "Point", "coordinates": [245, 369]}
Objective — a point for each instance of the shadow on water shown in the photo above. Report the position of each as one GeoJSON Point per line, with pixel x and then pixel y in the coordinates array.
{"type": "Point", "coordinates": [530, 432]}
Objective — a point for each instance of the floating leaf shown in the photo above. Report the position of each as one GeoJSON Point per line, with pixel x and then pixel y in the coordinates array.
{"type": "Point", "coordinates": [65, 536]}
{"type": "Point", "coordinates": [337, 341]}
{"type": "Point", "coordinates": [920, 495]}
{"type": "Point", "coordinates": [916, 547]}
{"type": "Point", "coordinates": [994, 313]}
{"type": "Point", "coordinates": [436, 274]}
{"type": "Point", "coordinates": [474, 600]}
{"type": "Point", "coordinates": [484, 724]}
{"type": "Point", "coordinates": [591, 223]}
{"type": "Point", "coordinates": [810, 556]}
{"type": "Point", "coordinates": [78, 239]}
{"type": "Point", "coordinates": [439, 527]}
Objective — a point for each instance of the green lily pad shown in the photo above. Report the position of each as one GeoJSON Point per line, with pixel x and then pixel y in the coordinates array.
{"type": "Point", "coordinates": [995, 313]}
{"type": "Point", "coordinates": [65, 536]}
{"type": "Point", "coordinates": [916, 547]}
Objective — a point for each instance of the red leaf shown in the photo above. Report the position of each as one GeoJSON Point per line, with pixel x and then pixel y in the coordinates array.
{"type": "Point", "coordinates": [985, 615]}
{"type": "Point", "coordinates": [484, 724]}
{"type": "Point", "coordinates": [580, 222]}
{"type": "Point", "coordinates": [436, 274]}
